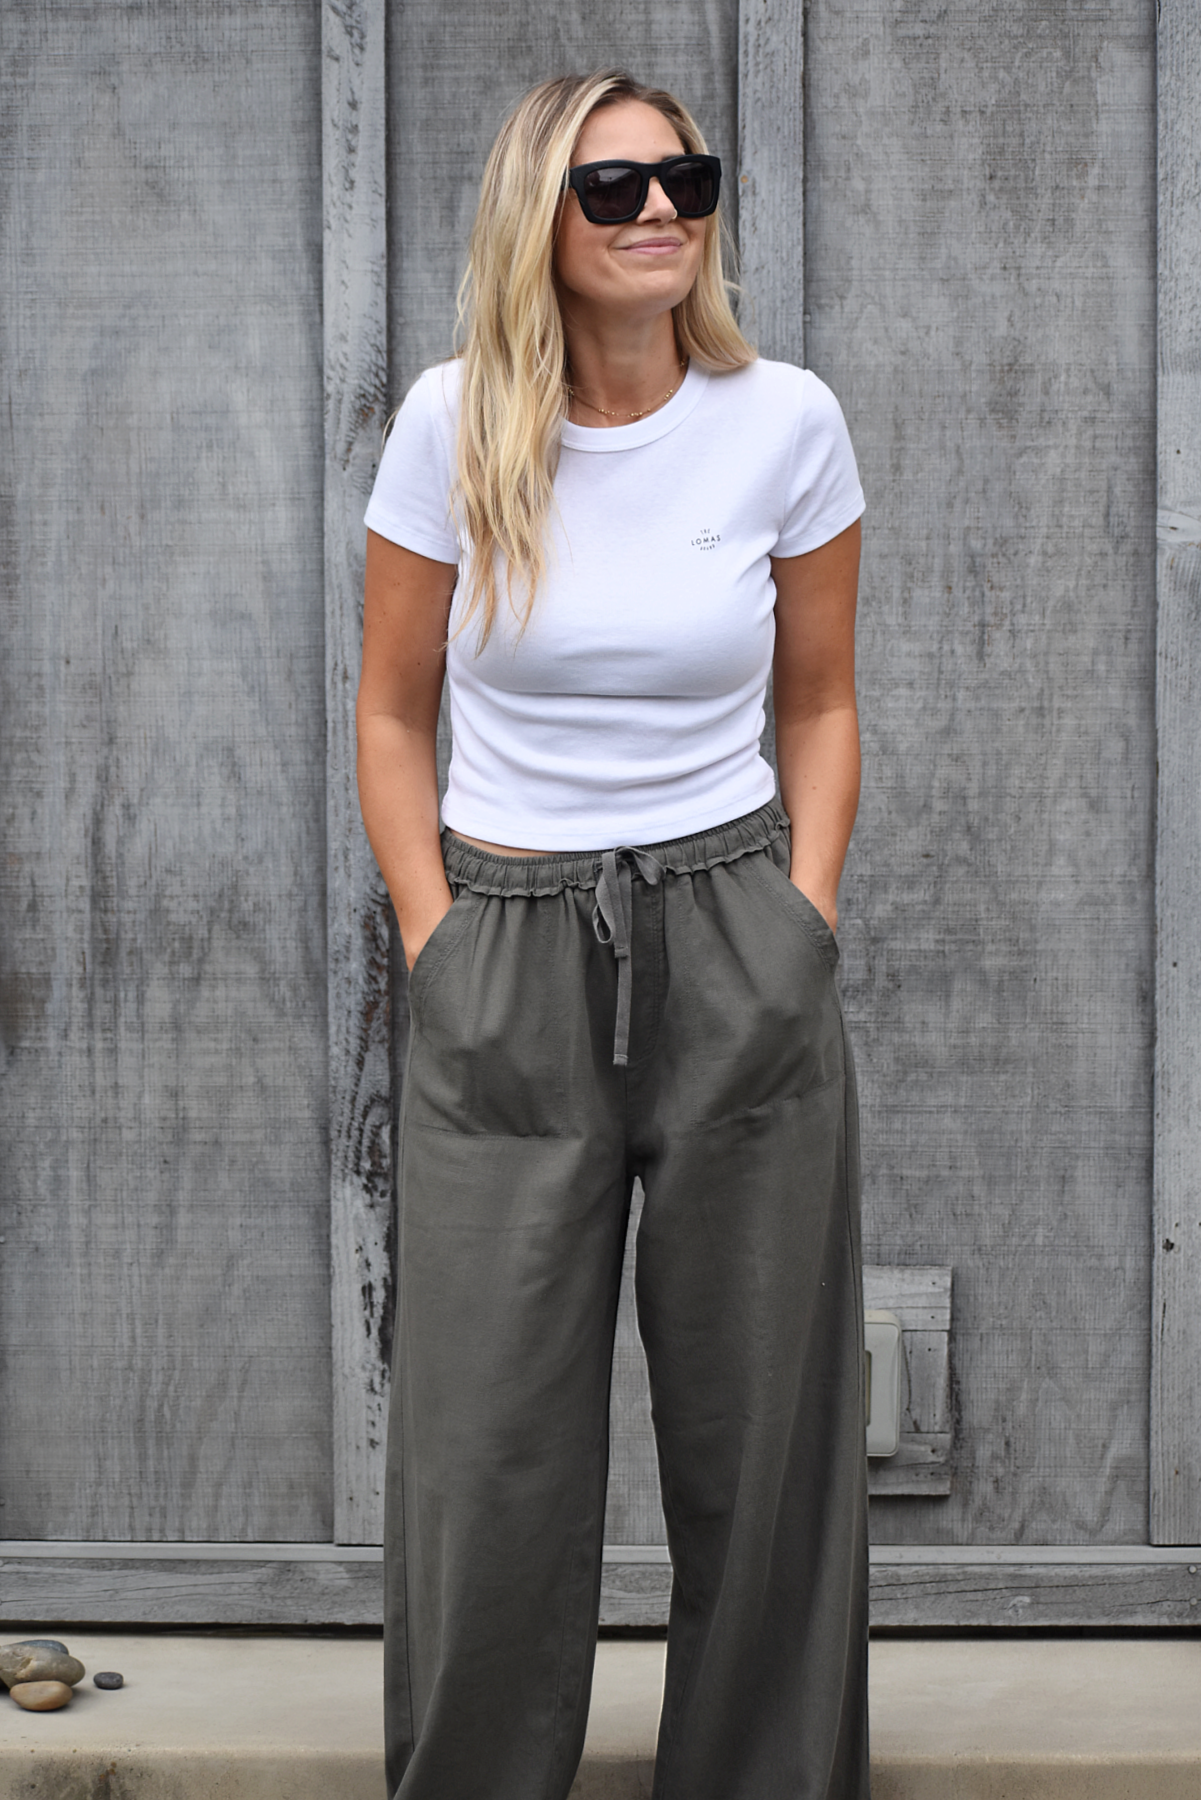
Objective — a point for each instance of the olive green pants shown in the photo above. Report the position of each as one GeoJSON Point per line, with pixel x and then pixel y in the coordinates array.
{"type": "Point", "coordinates": [521, 1138]}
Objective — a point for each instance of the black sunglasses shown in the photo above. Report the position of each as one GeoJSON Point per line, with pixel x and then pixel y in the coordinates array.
{"type": "Point", "coordinates": [610, 193]}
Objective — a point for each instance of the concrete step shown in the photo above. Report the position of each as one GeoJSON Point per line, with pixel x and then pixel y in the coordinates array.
{"type": "Point", "coordinates": [244, 1717]}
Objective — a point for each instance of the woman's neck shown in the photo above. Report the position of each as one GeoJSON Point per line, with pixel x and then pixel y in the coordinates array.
{"type": "Point", "coordinates": [618, 375]}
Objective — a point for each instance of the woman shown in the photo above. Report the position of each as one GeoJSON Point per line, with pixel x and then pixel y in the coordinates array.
{"type": "Point", "coordinates": [601, 520]}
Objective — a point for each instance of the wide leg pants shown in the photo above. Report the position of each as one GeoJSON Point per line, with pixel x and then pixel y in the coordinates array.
{"type": "Point", "coordinates": [521, 1138]}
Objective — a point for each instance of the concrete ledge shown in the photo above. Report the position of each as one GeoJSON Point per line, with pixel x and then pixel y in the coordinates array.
{"type": "Point", "coordinates": [205, 1718]}
{"type": "Point", "coordinates": [229, 1717]}
{"type": "Point", "coordinates": [1036, 1719]}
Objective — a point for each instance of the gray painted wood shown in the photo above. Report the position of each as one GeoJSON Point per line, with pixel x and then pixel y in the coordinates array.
{"type": "Point", "coordinates": [979, 217]}
{"type": "Point", "coordinates": [982, 1590]}
{"type": "Point", "coordinates": [164, 1281]}
{"type": "Point", "coordinates": [296, 1585]}
{"type": "Point", "coordinates": [80, 1588]}
{"type": "Point", "coordinates": [1176, 1334]}
{"type": "Point", "coordinates": [359, 915]}
{"type": "Point", "coordinates": [1033, 1595]}
{"type": "Point", "coordinates": [920, 1297]}
{"type": "Point", "coordinates": [633, 1509]}
{"type": "Point", "coordinates": [771, 175]}
{"type": "Point", "coordinates": [980, 266]}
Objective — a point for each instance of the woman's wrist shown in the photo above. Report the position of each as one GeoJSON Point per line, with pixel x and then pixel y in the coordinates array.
{"type": "Point", "coordinates": [819, 891]}
{"type": "Point", "coordinates": [421, 917]}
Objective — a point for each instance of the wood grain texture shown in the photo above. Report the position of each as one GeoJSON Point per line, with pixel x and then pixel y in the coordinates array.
{"type": "Point", "coordinates": [173, 1591]}
{"type": "Point", "coordinates": [980, 1590]}
{"type": "Point", "coordinates": [635, 1593]}
{"type": "Point", "coordinates": [967, 1595]}
{"type": "Point", "coordinates": [164, 1284]}
{"type": "Point", "coordinates": [1176, 1334]}
{"type": "Point", "coordinates": [920, 1297]}
{"type": "Point", "coordinates": [359, 914]}
{"type": "Point", "coordinates": [298, 1585]}
{"type": "Point", "coordinates": [771, 175]}
{"type": "Point", "coordinates": [979, 213]}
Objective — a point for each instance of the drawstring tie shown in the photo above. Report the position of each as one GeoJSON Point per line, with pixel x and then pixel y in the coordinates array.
{"type": "Point", "coordinates": [611, 919]}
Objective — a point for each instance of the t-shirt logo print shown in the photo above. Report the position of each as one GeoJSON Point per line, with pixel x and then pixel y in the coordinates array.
{"type": "Point", "coordinates": [706, 539]}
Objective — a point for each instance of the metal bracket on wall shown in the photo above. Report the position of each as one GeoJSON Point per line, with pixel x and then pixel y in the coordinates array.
{"type": "Point", "coordinates": [921, 1300]}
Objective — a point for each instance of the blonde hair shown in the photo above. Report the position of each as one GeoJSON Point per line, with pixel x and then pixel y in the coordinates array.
{"type": "Point", "coordinates": [514, 390]}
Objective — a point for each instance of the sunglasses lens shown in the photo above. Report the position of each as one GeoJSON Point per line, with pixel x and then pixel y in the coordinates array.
{"type": "Point", "coordinates": [613, 193]}
{"type": "Point", "coordinates": [692, 188]}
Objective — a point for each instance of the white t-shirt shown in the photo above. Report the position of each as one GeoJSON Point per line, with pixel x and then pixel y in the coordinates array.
{"type": "Point", "coordinates": [630, 710]}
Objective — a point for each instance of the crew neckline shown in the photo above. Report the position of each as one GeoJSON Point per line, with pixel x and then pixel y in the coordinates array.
{"type": "Point", "coordinates": [641, 431]}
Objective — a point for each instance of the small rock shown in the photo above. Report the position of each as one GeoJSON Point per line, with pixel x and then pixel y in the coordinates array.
{"type": "Point", "coordinates": [108, 1678]}
{"type": "Point", "coordinates": [38, 1644]}
{"type": "Point", "coordinates": [20, 1665]}
{"type": "Point", "coordinates": [41, 1696]}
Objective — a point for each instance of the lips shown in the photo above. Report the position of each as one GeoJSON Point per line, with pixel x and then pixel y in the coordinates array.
{"type": "Point", "coordinates": [653, 246]}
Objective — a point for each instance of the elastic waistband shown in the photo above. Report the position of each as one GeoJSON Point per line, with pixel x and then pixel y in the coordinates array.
{"type": "Point", "coordinates": [484, 872]}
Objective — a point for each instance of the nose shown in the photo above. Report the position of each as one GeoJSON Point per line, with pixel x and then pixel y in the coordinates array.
{"type": "Point", "coordinates": [658, 207]}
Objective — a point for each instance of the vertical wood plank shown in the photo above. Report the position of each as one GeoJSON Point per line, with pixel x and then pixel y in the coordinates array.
{"type": "Point", "coordinates": [360, 1069]}
{"type": "Point", "coordinates": [164, 1209]}
{"type": "Point", "coordinates": [980, 284]}
{"type": "Point", "coordinates": [1176, 1336]}
{"type": "Point", "coordinates": [771, 174]}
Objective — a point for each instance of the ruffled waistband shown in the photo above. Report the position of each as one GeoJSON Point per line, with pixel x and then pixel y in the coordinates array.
{"type": "Point", "coordinates": [484, 872]}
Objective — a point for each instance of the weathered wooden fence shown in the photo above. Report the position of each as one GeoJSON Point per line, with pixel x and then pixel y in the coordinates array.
{"type": "Point", "coordinates": [951, 214]}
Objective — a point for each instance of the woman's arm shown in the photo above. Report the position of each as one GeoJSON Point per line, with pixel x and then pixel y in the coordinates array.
{"type": "Point", "coordinates": [405, 619]}
{"type": "Point", "coordinates": [817, 725]}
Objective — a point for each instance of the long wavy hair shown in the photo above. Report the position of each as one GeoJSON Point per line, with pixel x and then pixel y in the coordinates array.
{"type": "Point", "coordinates": [514, 389]}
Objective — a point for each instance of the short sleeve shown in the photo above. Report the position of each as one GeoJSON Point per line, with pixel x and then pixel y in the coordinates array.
{"type": "Point", "coordinates": [823, 495]}
{"type": "Point", "coordinates": [411, 501]}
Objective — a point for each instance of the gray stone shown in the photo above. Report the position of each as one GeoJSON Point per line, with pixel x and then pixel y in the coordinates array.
{"type": "Point", "coordinates": [17, 1664]}
{"type": "Point", "coordinates": [41, 1696]}
{"type": "Point", "coordinates": [38, 1644]}
{"type": "Point", "coordinates": [108, 1678]}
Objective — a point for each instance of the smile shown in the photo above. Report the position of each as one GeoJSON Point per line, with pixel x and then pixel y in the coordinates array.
{"type": "Point", "coordinates": [653, 247]}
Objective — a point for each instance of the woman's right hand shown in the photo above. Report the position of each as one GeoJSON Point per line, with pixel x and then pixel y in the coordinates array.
{"type": "Point", "coordinates": [415, 935]}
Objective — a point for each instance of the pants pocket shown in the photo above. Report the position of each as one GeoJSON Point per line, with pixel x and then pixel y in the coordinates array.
{"type": "Point", "coordinates": [776, 880]}
{"type": "Point", "coordinates": [437, 947]}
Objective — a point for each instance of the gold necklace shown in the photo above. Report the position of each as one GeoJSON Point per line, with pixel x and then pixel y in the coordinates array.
{"type": "Point", "coordinates": [654, 407]}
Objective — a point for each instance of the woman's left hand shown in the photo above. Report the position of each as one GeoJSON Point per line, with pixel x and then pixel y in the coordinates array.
{"type": "Point", "coordinates": [826, 904]}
